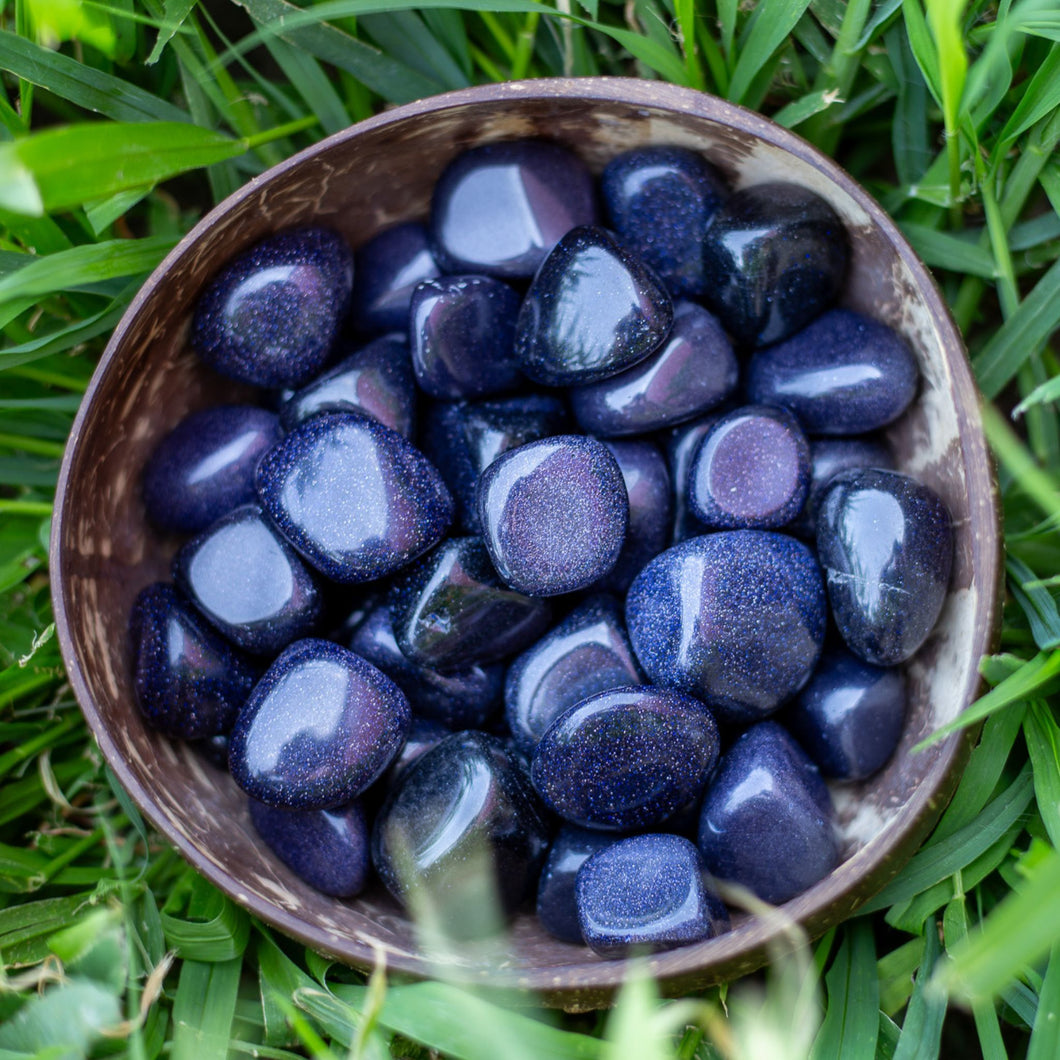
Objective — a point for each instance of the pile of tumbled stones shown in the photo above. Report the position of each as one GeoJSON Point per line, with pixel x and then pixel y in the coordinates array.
{"type": "Point", "coordinates": [521, 580]}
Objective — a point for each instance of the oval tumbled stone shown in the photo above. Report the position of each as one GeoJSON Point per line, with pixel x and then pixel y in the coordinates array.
{"type": "Point", "coordinates": [556, 908]}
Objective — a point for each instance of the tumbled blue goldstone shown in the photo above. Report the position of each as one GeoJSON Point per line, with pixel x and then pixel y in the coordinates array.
{"type": "Point", "coordinates": [767, 820]}
{"type": "Point", "coordinates": [354, 497]}
{"type": "Point", "coordinates": [626, 758]}
{"type": "Point", "coordinates": [556, 908]}
{"type": "Point", "coordinates": [736, 618]}
{"type": "Point", "coordinates": [388, 267]}
{"type": "Point", "coordinates": [885, 542]}
{"type": "Point", "coordinates": [554, 514]}
{"type": "Point", "coordinates": [682, 444]}
{"type": "Point", "coordinates": [318, 728]}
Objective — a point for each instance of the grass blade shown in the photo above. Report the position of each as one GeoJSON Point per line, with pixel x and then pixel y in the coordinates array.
{"type": "Point", "coordinates": [852, 1019]}
{"type": "Point", "coordinates": [1045, 1034]}
{"type": "Point", "coordinates": [773, 21]}
{"type": "Point", "coordinates": [922, 1027]}
{"type": "Point", "coordinates": [1043, 743]}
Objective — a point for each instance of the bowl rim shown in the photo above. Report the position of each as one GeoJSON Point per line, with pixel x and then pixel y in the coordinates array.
{"type": "Point", "coordinates": [581, 984]}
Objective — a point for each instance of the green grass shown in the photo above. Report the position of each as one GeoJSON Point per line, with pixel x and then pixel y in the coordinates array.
{"type": "Point", "coordinates": [122, 121]}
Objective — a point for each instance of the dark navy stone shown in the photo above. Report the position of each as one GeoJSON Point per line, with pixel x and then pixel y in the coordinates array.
{"type": "Point", "coordinates": [388, 267]}
{"type": "Point", "coordinates": [767, 817]}
{"type": "Point", "coordinates": [451, 611]}
{"type": "Point", "coordinates": [422, 736]}
{"type": "Point", "coordinates": [270, 316]}
{"type": "Point", "coordinates": [592, 311]}
{"type": "Point", "coordinates": [189, 681]}
{"type": "Point", "coordinates": [693, 371]}
{"type": "Point", "coordinates": [682, 444]}
{"type": "Point", "coordinates": [588, 652]}
{"type": "Point", "coordinates": [249, 582]}
{"type": "Point", "coordinates": [885, 542]}
{"type": "Point", "coordinates": [500, 208]}
{"type": "Point", "coordinates": [843, 374]}
{"type": "Point", "coordinates": [214, 749]}
{"type": "Point", "coordinates": [626, 758]}
{"type": "Point", "coordinates": [736, 618]}
{"type": "Point", "coordinates": [660, 200]}
{"type": "Point", "coordinates": [205, 466]}
{"type": "Point", "coordinates": [849, 717]}
{"type": "Point", "coordinates": [376, 381]}
{"type": "Point", "coordinates": [354, 497]}
{"type": "Point", "coordinates": [752, 469]}
{"type": "Point", "coordinates": [329, 849]}
{"type": "Point", "coordinates": [775, 257]}
{"type": "Point", "coordinates": [647, 893]}
{"type": "Point", "coordinates": [464, 439]}
{"type": "Point", "coordinates": [556, 908]}
{"type": "Point", "coordinates": [464, 832]}
{"type": "Point", "coordinates": [461, 699]}
{"type": "Point", "coordinates": [554, 514]}
{"type": "Point", "coordinates": [462, 332]}
{"type": "Point", "coordinates": [318, 728]}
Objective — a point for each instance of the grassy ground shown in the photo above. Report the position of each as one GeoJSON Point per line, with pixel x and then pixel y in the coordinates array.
{"type": "Point", "coordinates": [949, 113]}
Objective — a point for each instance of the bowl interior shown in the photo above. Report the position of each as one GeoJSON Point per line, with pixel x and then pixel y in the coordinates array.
{"type": "Point", "coordinates": [360, 181]}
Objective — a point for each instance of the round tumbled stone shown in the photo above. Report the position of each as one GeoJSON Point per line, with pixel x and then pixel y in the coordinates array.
{"type": "Point", "coordinates": [682, 444]}
{"type": "Point", "coordinates": [388, 267]}
{"type": "Point", "coordinates": [556, 907]}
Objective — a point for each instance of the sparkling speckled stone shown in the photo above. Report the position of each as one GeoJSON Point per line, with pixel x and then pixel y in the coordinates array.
{"type": "Point", "coordinates": [205, 466]}
{"type": "Point", "coordinates": [554, 514]}
{"type": "Point", "coordinates": [660, 200]}
{"type": "Point", "coordinates": [388, 267]}
{"type": "Point", "coordinates": [682, 444]}
{"type": "Point", "coordinates": [464, 826]}
{"type": "Point", "coordinates": [461, 699]}
{"type": "Point", "coordinates": [626, 758]}
{"type": "Point", "coordinates": [249, 582]}
{"type": "Point", "coordinates": [736, 618]}
{"type": "Point", "coordinates": [354, 497]}
{"type": "Point", "coordinates": [189, 681]}
{"type": "Point", "coordinates": [451, 611]}
{"type": "Point", "coordinates": [588, 652]}
{"type": "Point", "coordinates": [556, 908]}
{"type": "Point", "coordinates": [422, 736]}
{"type": "Point", "coordinates": [752, 469]}
{"type": "Point", "coordinates": [693, 371]}
{"type": "Point", "coordinates": [849, 717]}
{"type": "Point", "coordinates": [464, 439]}
{"type": "Point", "coordinates": [329, 849]}
{"type": "Point", "coordinates": [377, 381]}
{"type": "Point", "coordinates": [647, 893]}
{"type": "Point", "coordinates": [885, 542]}
{"type": "Point", "coordinates": [767, 818]}
{"type": "Point", "coordinates": [843, 374]}
{"type": "Point", "coordinates": [592, 311]}
{"type": "Point", "coordinates": [318, 728]}
{"type": "Point", "coordinates": [270, 316]}
{"type": "Point", "coordinates": [775, 257]}
{"type": "Point", "coordinates": [499, 209]}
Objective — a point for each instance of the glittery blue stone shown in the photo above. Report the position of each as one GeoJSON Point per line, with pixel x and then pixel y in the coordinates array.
{"type": "Point", "coordinates": [554, 514]}
{"type": "Point", "coordinates": [329, 849]}
{"type": "Point", "coordinates": [647, 893]}
{"type": "Point", "coordinates": [319, 727]}
{"type": "Point", "coordinates": [767, 817]}
{"type": "Point", "coordinates": [556, 908]}
{"type": "Point", "coordinates": [205, 466]}
{"type": "Point", "coordinates": [736, 618]}
{"type": "Point", "coordinates": [422, 736]}
{"type": "Point", "coordinates": [354, 497]}
{"type": "Point", "coordinates": [464, 439]}
{"type": "Point", "coordinates": [626, 758]}
{"type": "Point", "coordinates": [660, 200]}
{"type": "Point", "coordinates": [375, 381]}
{"type": "Point", "coordinates": [752, 470]}
{"type": "Point", "coordinates": [500, 208]}
{"type": "Point", "coordinates": [843, 374]}
{"type": "Point", "coordinates": [461, 699]}
{"type": "Point", "coordinates": [249, 583]}
{"type": "Point", "coordinates": [388, 267]}
{"type": "Point", "coordinates": [885, 542]}
{"type": "Point", "coordinates": [849, 717]}
{"type": "Point", "coordinates": [693, 371]}
{"type": "Point", "coordinates": [592, 311]}
{"type": "Point", "coordinates": [270, 316]}
{"type": "Point", "coordinates": [462, 330]}
{"type": "Point", "coordinates": [682, 444]}
{"type": "Point", "coordinates": [451, 611]}
{"type": "Point", "coordinates": [588, 652]}
{"type": "Point", "coordinates": [189, 681]}
{"type": "Point", "coordinates": [464, 827]}
{"type": "Point", "coordinates": [775, 257]}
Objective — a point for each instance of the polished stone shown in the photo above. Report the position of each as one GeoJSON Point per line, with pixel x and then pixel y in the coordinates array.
{"type": "Point", "coordinates": [388, 267]}
{"type": "Point", "coordinates": [682, 444]}
{"type": "Point", "coordinates": [556, 908]}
